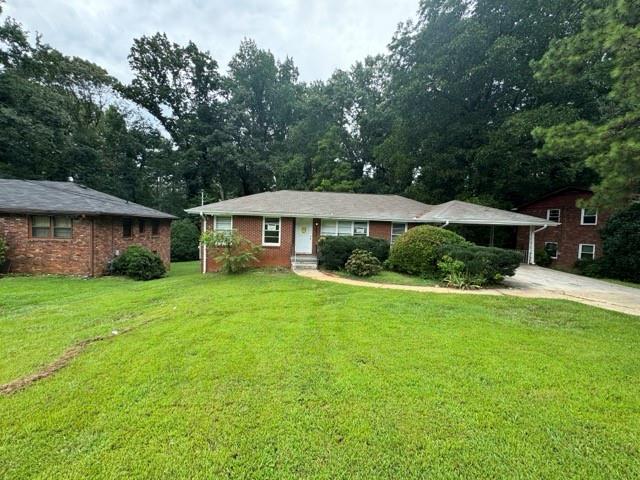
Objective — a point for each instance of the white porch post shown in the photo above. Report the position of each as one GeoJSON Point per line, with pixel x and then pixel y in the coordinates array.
{"type": "Point", "coordinates": [203, 246]}
{"type": "Point", "coordinates": [532, 246]}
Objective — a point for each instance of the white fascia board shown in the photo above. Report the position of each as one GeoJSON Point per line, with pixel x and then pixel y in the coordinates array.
{"type": "Point", "coordinates": [541, 222]}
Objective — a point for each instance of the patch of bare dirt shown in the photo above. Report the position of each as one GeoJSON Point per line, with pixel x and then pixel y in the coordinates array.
{"type": "Point", "coordinates": [62, 361]}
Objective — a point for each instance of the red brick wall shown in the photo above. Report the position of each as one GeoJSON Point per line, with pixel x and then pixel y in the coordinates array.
{"type": "Point", "coordinates": [73, 256]}
{"type": "Point", "coordinates": [251, 229]}
{"type": "Point", "coordinates": [380, 230]}
{"type": "Point", "coordinates": [570, 233]}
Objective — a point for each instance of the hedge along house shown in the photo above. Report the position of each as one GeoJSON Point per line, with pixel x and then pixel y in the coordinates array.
{"type": "Point", "coordinates": [66, 228]}
{"type": "Point", "coordinates": [288, 224]}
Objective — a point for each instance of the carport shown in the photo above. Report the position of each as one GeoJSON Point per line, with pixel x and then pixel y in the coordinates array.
{"type": "Point", "coordinates": [463, 213]}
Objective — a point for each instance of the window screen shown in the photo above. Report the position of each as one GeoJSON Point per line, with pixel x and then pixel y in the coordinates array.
{"type": "Point", "coordinates": [40, 226]}
{"type": "Point", "coordinates": [62, 227]}
{"type": "Point", "coordinates": [271, 231]}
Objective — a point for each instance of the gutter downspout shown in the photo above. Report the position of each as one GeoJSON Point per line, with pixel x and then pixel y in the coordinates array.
{"type": "Point", "coordinates": [532, 243]}
{"type": "Point", "coordinates": [203, 246]}
{"type": "Point", "coordinates": [444, 224]}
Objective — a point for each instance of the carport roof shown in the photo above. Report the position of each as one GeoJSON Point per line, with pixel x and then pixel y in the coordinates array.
{"type": "Point", "coordinates": [360, 206]}
{"type": "Point", "coordinates": [459, 212]}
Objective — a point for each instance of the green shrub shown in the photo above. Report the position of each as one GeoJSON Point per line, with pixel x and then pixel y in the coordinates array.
{"type": "Point", "coordinates": [621, 244]}
{"type": "Point", "coordinates": [591, 268]}
{"type": "Point", "coordinates": [417, 251]}
{"type": "Point", "coordinates": [486, 265]}
{"type": "Point", "coordinates": [363, 264]}
{"type": "Point", "coordinates": [138, 263]}
{"type": "Point", "coordinates": [333, 252]}
{"type": "Point", "coordinates": [455, 274]}
{"type": "Point", "coordinates": [185, 238]}
{"type": "Point", "coordinates": [236, 253]}
{"type": "Point", "coordinates": [543, 258]}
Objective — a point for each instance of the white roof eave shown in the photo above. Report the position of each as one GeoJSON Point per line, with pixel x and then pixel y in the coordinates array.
{"type": "Point", "coordinates": [523, 223]}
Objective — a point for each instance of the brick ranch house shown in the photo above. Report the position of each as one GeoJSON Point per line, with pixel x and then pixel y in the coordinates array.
{"type": "Point", "coordinates": [288, 224]}
{"type": "Point", "coordinates": [577, 234]}
{"type": "Point", "coordinates": [66, 228]}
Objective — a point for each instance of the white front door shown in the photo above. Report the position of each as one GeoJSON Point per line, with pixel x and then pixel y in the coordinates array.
{"type": "Point", "coordinates": [304, 235]}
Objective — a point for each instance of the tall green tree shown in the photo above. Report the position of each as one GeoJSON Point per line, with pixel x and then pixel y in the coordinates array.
{"type": "Point", "coordinates": [263, 103]}
{"type": "Point", "coordinates": [457, 75]}
{"type": "Point", "coordinates": [604, 54]}
{"type": "Point", "coordinates": [182, 88]}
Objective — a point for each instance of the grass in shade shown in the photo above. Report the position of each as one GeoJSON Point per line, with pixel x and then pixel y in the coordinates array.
{"type": "Point", "coordinates": [269, 375]}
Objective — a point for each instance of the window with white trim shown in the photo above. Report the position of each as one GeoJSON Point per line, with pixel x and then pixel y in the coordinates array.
{"type": "Point", "coordinates": [553, 214]}
{"type": "Point", "coordinates": [397, 229]}
{"type": "Point", "coordinates": [361, 229]}
{"type": "Point", "coordinates": [588, 216]}
{"type": "Point", "coordinates": [328, 228]}
{"type": "Point", "coordinates": [586, 251]}
{"type": "Point", "coordinates": [344, 228]}
{"type": "Point", "coordinates": [552, 249]}
{"type": "Point", "coordinates": [271, 231]}
{"type": "Point", "coordinates": [222, 224]}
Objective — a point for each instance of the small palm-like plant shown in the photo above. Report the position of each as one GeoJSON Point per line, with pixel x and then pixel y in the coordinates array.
{"type": "Point", "coordinates": [236, 253]}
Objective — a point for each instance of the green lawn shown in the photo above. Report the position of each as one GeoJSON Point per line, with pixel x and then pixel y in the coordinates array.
{"type": "Point", "coordinates": [269, 375]}
{"type": "Point", "coordinates": [387, 276]}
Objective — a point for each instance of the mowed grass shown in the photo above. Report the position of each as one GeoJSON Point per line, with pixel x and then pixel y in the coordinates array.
{"type": "Point", "coordinates": [269, 375]}
{"type": "Point", "coordinates": [387, 276]}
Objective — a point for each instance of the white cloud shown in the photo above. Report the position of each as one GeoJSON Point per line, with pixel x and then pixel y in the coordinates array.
{"type": "Point", "coordinates": [320, 35]}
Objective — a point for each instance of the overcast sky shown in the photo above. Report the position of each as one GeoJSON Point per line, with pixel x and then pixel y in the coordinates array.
{"type": "Point", "coordinates": [320, 35]}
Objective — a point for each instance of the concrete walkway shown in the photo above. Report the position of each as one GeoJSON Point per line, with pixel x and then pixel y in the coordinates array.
{"type": "Point", "coordinates": [529, 281]}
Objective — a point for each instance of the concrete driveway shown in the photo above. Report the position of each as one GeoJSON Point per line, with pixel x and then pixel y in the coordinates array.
{"type": "Point", "coordinates": [529, 281]}
{"type": "Point", "coordinates": [534, 281]}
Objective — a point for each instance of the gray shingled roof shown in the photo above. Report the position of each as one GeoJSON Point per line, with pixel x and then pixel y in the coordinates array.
{"type": "Point", "coordinates": [40, 196]}
{"type": "Point", "coordinates": [456, 211]}
{"type": "Point", "coordinates": [362, 206]}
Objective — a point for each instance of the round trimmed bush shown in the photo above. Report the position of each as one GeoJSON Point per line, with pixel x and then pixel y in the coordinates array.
{"type": "Point", "coordinates": [486, 265]}
{"type": "Point", "coordinates": [363, 264]}
{"type": "Point", "coordinates": [333, 252]}
{"type": "Point", "coordinates": [185, 238]}
{"type": "Point", "coordinates": [138, 263]}
{"type": "Point", "coordinates": [417, 251]}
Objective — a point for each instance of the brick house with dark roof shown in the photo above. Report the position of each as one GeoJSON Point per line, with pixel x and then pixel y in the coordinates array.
{"type": "Point", "coordinates": [288, 224]}
{"type": "Point", "coordinates": [66, 228]}
{"type": "Point", "coordinates": [578, 234]}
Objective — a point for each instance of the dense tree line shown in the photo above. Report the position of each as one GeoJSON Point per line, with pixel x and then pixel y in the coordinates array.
{"type": "Point", "coordinates": [494, 101]}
